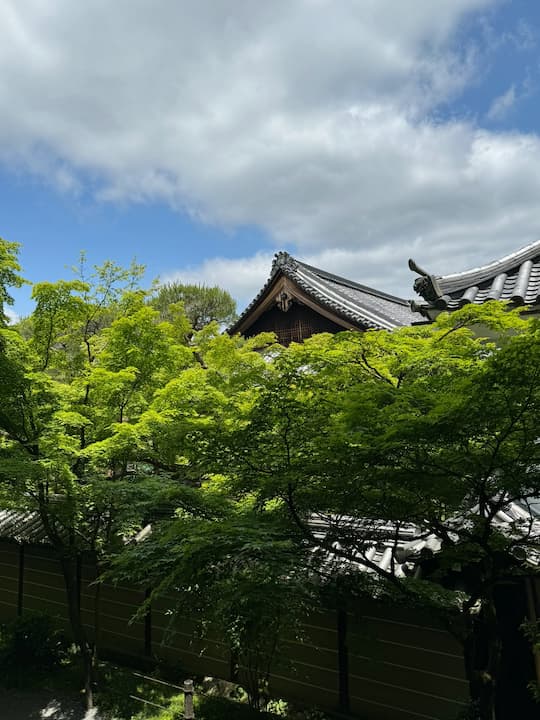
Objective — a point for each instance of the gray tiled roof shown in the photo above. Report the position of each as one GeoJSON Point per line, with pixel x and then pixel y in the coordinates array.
{"type": "Point", "coordinates": [360, 305]}
{"type": "Point", "coordinates": [515, 278]}
{"type": "Point", "coordinates": [381, 545]}
{"type": "Point", "coordinates": [400, 549]}
{"type": "Point", "coordinates": [22, 527]}
{"type": "Point", "coordinates": [391, 548]}
{"type": "Point", "coordinates": [26, 527]}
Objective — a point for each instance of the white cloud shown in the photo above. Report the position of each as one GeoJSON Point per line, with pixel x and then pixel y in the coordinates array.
{"type": "Point", "coordinates": [11, 315]}
{"type": "Point", "coordinates": [242, 277]}
{"type": "Point", "coordinates": [314, 120]}
{"type": "Point", "coordinates": [501, 105]}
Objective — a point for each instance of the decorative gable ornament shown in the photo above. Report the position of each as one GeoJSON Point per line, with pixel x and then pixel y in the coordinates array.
{"type": "Point", "coordinates": [284, 301]}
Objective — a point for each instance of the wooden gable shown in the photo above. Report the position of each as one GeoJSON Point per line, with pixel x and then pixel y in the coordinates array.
{"type": "Point", "coordinates": [291, 314]}
{"type": "Point", "coordinates": [299, 300]}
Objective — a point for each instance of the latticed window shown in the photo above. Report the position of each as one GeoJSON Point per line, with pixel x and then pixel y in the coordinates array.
{"type": "Point", "coordinates": [301, 330]}
{"type": "Point", "coordinates": [295, 325]}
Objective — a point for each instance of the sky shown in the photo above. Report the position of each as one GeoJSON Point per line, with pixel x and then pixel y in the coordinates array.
{"type": "Point", "coordinates": [202, 136]}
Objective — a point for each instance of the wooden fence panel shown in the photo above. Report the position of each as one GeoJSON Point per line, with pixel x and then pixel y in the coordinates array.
{"type": "Point", "coordinates": [408, 659]}
{"type": "Point", "coordinates": [117, 606]}
{"type": "Point", "coordinates": [391, 663]}
{"type": "Point", "coordinates": [387, 701]}
{"type": "Point", "coordinates": [311, 673]}
{"type": "Point", "coordinates": [176, 641]}
{"type": "Point", "coordinates": [9, 580]}
{"type": "Point", "coordinates": [43, 584]}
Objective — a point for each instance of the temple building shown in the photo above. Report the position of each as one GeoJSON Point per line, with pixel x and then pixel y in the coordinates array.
{"type": "Point", "coordinates": [299, 300]}
{"type": "Point", "coordinates": [514, 278]}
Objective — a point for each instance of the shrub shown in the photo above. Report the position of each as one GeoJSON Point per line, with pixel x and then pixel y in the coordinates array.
{"type": "Point", "coordinates": [210, 708]}
{"type": "Point", "coordinates": [29, 646]}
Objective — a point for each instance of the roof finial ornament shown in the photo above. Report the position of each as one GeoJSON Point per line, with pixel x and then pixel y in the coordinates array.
{"type": "Point", "coordinates": [426, 285]}
{"type": "Point", "coordinates": [284, 261]}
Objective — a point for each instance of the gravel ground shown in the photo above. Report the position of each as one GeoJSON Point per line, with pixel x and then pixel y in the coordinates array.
{"type": "Point", "coordinates": [42, 705]}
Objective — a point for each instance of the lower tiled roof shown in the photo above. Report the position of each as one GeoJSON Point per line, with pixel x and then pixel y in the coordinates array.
{"type": "Point", "coordinates": [390, 547]}
{"type": "Point", "coordinates": [22, 527]}
{"type": "Point", "coordinates": [400, 548]}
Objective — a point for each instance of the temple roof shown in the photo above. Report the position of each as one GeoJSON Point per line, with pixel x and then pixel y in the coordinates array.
{"type": "Point", "coordinates": [22, 527]}
{"type": "Point", "coordinates": [400, 548]}
{"type": "Point", "coordinates": [360, 306]}
{"type": "Point", "coordinates": [515, 278]}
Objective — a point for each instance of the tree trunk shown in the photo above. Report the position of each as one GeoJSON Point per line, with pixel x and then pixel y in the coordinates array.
{"type": "Point", "coordinates": [482, 653]}
{"type": "Point", "coordinates": [69, 570]}
{"type": "Point", "coordinates": [97, 617]}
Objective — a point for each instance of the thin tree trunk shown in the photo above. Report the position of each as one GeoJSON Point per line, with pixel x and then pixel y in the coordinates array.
{"type": "Point", "coordinates": [482, 654]}
{"type": "Point", "coordinates": [69, 571]}
{"type": "Point", "coordinates": [97, 618]}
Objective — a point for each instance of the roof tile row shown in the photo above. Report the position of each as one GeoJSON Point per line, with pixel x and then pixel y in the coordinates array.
{"type": "Point", "coordinates": [514, 278]}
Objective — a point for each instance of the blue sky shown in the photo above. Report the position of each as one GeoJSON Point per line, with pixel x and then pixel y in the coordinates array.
{"type": "Point", "coordinates": [53, 228]}
{"type": "Point", "coordinates": [202, 137]}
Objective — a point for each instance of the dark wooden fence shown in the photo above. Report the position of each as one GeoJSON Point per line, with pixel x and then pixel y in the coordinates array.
{"type": "Point", "coordinates": [380, 663]}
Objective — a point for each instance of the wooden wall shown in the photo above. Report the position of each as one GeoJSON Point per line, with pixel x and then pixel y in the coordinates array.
{"type": "Point", "coordinates": [297, 324]}
{"type": "Point", "coordinates": [380, 663]}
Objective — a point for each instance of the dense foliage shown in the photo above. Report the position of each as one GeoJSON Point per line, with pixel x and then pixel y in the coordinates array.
{"type": "Point", "coordinates": [432, 427]}
{"type": "Point", "coordinates": [112, 410]}
{"type": "Point", "coordinates": [9, 275]}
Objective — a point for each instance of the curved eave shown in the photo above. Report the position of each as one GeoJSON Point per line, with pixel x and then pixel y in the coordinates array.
{"type": "Point", "coordinates": [354, 285]}
{"type": "Point", "coordinates": [514, 279]}
{"type": "Point", "coordinates": [476, 276]}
